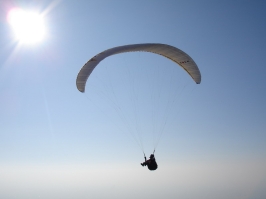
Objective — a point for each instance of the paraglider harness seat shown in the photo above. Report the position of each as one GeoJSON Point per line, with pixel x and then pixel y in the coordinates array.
{"type": "Point", "coordinates": [151, 163]}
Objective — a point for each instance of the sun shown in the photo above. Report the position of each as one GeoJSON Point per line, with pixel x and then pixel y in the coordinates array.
{"type": "Point", "coordinates": [28, 26]}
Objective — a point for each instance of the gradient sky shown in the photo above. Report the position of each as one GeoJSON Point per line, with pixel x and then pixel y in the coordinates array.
{"type": "Point", "coordinates": [56, 142]}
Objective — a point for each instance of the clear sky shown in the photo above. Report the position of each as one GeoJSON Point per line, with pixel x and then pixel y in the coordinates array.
{"type": "Point", "coordinates": [56, 142]}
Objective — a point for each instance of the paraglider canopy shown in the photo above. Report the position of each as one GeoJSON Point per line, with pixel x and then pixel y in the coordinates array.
{"type": "Point", "coordinates": [170, 52]}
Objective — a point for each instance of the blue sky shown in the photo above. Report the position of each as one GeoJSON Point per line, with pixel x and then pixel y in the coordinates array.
{"type": "Point", "coordinates": [56, 142]}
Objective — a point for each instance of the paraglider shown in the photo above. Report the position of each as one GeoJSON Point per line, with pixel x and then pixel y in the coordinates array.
{"type": "Point", "coordinates": [151, 163]}
{"type": "Point", "coordinates": [176, 55]}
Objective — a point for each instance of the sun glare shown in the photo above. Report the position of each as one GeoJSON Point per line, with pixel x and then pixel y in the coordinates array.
{"type": "Point", "coordinates": [28, 26]}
